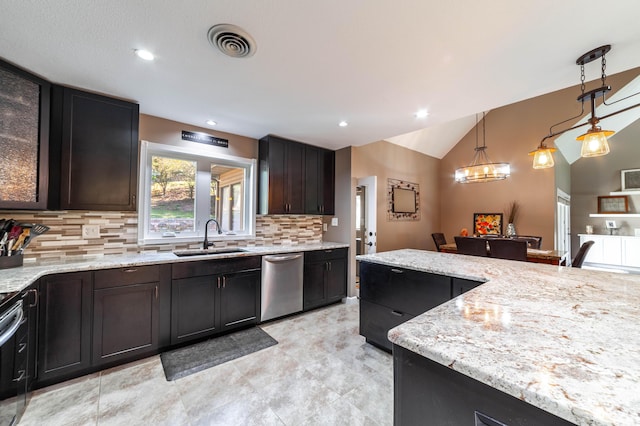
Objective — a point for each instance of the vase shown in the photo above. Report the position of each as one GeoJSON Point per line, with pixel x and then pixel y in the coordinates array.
{"type": "Point", "coordinates": [511, 230]}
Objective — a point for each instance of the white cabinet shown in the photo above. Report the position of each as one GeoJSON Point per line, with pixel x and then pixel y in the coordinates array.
{"type": "Point", "coordinates": [613, 250]}
{"type": "Point", "coordinates": [631, 251]}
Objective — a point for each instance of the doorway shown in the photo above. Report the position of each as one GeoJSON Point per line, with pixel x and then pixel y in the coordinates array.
{"type": "Point", "coordinates": [365, 219]}
{"type": "Point", "coordinates": [563, 223]}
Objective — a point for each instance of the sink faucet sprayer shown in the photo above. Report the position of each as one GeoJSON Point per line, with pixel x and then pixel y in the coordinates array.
{"type": "Point", "coordinates": [206, 244]}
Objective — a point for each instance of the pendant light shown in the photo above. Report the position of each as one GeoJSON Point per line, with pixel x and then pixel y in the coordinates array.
{"type": "Point", "coordinates": [594, 141]}
{"type": "Point", "coordinates": [481, 168]}
{"type": "Point", "coordinates": [543, 156]}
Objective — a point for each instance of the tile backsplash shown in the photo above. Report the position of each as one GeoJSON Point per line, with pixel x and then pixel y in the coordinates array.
{"type": "Point", "coordinates": [119, 233]}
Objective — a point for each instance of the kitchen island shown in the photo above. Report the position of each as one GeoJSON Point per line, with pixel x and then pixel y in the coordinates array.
{"type": "Point", "coordinates": [562, 340]}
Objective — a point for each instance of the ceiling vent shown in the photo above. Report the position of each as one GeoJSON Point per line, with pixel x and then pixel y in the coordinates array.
{"type": "Point", "coordinates": [232, 40]}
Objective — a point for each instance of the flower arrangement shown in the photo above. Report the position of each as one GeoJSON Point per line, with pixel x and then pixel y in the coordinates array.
{"type": "Point", "coordinates": [512, 211]}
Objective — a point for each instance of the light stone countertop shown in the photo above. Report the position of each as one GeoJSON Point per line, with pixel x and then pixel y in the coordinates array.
{"type": "Point", "coordinates": [17, 279]}
{"type": "Point", "coordinates": [565, 340]}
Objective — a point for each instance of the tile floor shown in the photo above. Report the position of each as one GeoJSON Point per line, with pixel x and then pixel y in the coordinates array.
{"type": "Point", "coordinates": [320, 373]}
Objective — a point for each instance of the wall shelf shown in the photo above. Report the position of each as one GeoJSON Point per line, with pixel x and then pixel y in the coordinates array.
{"type": "Point", "coordinates": [625, 193]}
{"type": "Point", "coordinates": [614, 215]}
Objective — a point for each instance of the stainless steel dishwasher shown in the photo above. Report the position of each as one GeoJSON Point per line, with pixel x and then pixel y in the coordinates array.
{"type": "Point", "coordinates": [281, 285]}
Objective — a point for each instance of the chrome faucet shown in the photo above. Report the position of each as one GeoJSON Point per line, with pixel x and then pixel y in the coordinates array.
{"type": "Point", "coordinates": [206, 244]}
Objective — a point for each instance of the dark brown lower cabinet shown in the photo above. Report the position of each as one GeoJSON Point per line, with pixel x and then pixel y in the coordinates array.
{"type": "Point", "coordinates": [325, 277]}
{"type": "Point", "coordinates": [240, 299]}
{"type": "Point", "coordinates": [425, 392]}
{"type": "Point", "coordinates": [64, 329]}
{"type": "Point", "coordinates": [390, 296]}
{"type": "Point", "coordinates": [125, 322]}
{"type": "Point", "coordinates": [193, 308]}
{"type": "Point", "coordinates": [213, 296]}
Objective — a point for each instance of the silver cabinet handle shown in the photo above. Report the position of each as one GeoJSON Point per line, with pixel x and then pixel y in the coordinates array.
{"type": "Point", "coordinates": [224, 281]}
{"type": "Point", "coordinates": [21, 376]}
{"type": "Point", "coordinates": [397, 314]}
{"type": "Point", "coordinates": [156, 292]}
{"type": "Point", "coordinates": [397, 271]}
{"type": "Point", "coordinates": [35, 297]}
{"type": "Point", "coordinates": [129, 270]}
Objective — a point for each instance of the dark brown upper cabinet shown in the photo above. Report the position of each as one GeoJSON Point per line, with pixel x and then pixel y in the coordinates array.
{"type": "Point", "coordinates": [319, 180]}
{"type": "Point", "coordinates": [281, 177]}
{"type": "Point", "coordinates": [24, 139]}
{"type": "Point", "coordinates": [295, 178]}
{"type": "Point", "coordinates": [94, 151]}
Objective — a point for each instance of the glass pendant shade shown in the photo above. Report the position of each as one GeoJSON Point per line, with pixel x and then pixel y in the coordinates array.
{"type": "Point", "coordinates": [543, 157]}
{"type": "Point", "coordinates": [594, 142]}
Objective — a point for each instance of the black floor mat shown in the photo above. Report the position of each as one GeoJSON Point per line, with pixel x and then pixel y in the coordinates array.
{"type": "Point", "coordinates": [200, 356]}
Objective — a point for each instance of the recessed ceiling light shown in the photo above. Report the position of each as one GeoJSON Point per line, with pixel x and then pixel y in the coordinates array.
{"type": "Point", "coordinates": [211, 123]}
{"type": "Point", "coordinates": [421, 113]}
{"type": "Point", "coordinates": [144, 54]}
{"type": "Point", "coordinates": [343, 124]}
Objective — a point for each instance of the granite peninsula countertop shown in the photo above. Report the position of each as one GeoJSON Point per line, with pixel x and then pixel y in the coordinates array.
{"type": "Point", "coordinates": [17, 279]}
{"type": "Point", "coordinates": [565, 340]}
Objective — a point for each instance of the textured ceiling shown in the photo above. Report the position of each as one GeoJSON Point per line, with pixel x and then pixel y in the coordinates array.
{"type": "Point", "coordinates": [372, 63]}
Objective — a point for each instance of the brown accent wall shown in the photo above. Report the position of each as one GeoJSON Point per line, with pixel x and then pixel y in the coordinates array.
{"type": "Point", "coordinates": [386, 160]}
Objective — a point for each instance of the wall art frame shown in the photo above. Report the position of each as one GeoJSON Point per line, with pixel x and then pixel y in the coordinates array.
{"type": "Point", "coordinates": [487, 223]}
{"type": "Point", "coordinates": [400, 195]}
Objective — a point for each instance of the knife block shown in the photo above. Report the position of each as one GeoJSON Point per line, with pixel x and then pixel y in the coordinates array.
{"type": "Point", "coordinates": [10, 261]}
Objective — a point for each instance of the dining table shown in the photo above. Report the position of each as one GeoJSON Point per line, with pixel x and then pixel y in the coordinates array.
{"type": "Point", "coordinates": [551, 257]}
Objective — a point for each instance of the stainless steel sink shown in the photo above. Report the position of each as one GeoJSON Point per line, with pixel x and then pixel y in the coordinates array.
{"type": "Point", "coordinates": [203, 252]}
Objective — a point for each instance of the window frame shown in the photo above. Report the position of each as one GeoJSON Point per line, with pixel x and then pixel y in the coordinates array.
{"type": "Point", "coordinates": [201, 211]}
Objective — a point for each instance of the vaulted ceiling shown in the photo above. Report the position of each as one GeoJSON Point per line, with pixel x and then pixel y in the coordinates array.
{"type": "Point", "coordinates": [372, 63]}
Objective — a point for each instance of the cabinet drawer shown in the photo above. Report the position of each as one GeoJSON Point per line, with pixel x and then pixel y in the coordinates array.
{"type": "Point", "coordinates": [405, 290]}
{"type": "Point", "coordinates": [212, 267]}
{"type": "Point", "coordinates": [320, 255]}
{"type": "Point", "coordinates": [126, 276]}
{"type": "Point", "coordinates": [377, 320]}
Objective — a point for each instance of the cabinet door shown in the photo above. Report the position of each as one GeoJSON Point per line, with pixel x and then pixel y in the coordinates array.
{"type": "Point", "coordinates": [125, 322]}
{"type": "Point", "coordinates": [24, 138]}
{"type": "Point", "coordinates": [239, 299]}
{"type": "Point", "coordinates": [319, 180]}
{"type": "Point", "coordinates": [276, 184]}
{"type": "Point", "coordinates": [64, 344]}
{"type": "Point", "coordinates": [336, 280]}
{"type": "Point", "coordinates": [295, 178]}
{"type": "Point", "coordinates": [328, 182]}
{"type": "Point", "coordinates": [631, 251]}
{"type": "Point", "coordinates": [313, 183]}
{"type": "Point", "coordinates": [98, 151]}
{"type": "Point", "coordinates": [193, 308]}
{"type": "Point", "coordinates": [314, 289]}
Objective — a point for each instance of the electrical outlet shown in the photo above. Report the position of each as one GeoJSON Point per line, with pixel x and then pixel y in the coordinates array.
{"type": "Point", "coordinates": [90, 231]}
{"type": "Point", "coordinates": [324, 227]}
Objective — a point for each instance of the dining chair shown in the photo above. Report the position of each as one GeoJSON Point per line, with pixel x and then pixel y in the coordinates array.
{"type": "Point", "coordinates": [508, 248]}
{"type": "Point", "coordinates": [439, 239]}
{"type": "Point", "coordinates": [471, 246]}
{"type": "Point", "coordinates": [582, 253]}
{"type": "Point", "coordinates": [533, 241]}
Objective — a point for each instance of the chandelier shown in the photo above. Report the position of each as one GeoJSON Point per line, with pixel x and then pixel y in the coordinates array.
{"type": "Point", "coordinates": [594, 140]}
{"type": "Point", "coordinates": [482, 169]}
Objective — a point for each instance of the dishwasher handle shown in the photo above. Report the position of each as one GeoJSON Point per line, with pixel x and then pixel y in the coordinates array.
{"type": "Point", "coordinates": [286, 258]}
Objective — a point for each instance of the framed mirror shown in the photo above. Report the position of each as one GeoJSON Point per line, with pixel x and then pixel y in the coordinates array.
{"type": "Point", "coordinates": [404, 200]}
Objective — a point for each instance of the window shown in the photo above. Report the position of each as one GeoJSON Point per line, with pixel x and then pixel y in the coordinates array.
{"type": "Point", "coordinates": [181, 188]}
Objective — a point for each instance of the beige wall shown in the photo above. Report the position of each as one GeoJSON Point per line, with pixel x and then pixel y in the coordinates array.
{"type": "Point", "coordinates": [386, 160]}
{"type": "Point", "coordinates": [161, 130]}
{"type": "Point", "coordinates": [511, 132]}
